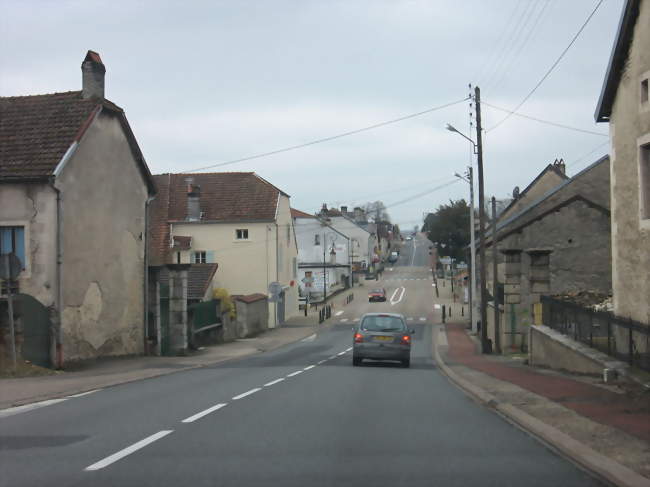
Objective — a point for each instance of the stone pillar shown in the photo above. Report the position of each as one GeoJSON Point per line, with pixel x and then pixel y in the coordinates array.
{"type": "Point", "coordinates": [178, 308]}
{"type": "Point", "coordinates": [512, 296]}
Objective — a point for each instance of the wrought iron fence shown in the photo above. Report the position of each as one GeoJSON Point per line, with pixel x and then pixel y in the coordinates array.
{"type": "Point", "coordinates": [622, 338]}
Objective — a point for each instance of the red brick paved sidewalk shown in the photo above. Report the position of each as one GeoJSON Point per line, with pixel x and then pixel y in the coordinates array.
{"type": "Point", "coordinates": [627, 413]}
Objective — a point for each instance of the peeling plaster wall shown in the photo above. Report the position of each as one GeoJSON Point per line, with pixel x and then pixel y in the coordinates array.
{"type": "Point", "coordinates": [629, 127]}
{"type": "Point", "coordinates": [104, 197]}
{"type": "Point", "coordinates": [33, 206]}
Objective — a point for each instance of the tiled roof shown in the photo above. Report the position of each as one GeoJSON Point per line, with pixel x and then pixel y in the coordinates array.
{"type": "Point", "coordinates": [227, 196]}
{"type": "Point", "coordinates": [300, 214]}
{"type": "Point", "coordinates": [223, 197]}
{"type": "Point", "coordinates": [36, 131]}
{"type": "Point", "coordinates": [199, 277]}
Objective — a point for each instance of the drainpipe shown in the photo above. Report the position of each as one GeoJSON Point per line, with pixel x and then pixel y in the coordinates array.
{"type": "Point", "coordinates": [146, 274]}
{"type": "Point", "coordinates": [58, 360]}
{"type": "Point", "coordinates": [277, 267]}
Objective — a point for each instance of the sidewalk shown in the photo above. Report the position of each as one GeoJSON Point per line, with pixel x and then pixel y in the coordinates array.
{"type": "Point", "coordinates": [602, 427]}
{"type": "Point", "coordinates": [112, 371]}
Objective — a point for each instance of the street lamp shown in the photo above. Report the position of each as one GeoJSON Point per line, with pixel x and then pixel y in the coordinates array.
{"type": "Point", "coordinates": [451, 128]}
{"type": "Point", "coordinates": [469, 178]}
{"type": "Point", "coordinates": [478, 149]}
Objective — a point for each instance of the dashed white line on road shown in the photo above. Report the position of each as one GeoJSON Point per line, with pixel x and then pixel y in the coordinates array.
{"type": "Point", "coordinates": [273, 382]}
{"type": "Point", "coordinates": [338, 313]}
{"type": "Point", "coordinates": [293, 374]}
{"type": "Point", "coordinates": [343, 320]}
{"type": "Point", "coordinates": [436, 306]}
{"type": "Point", "coordinates": [309, 367]}
{"type": "Point", "coordinates": [356, 319]}
{"type": "Point", "coordinates": [322, 362]}
{"type": "Point", "coordinates": [422, 318]}
{"type": "Point", "coordinates": [332, 357]}
{"type": "Point", "coordinates": [341, 353]}
{"type": "Point", "coordinates": [409, 319]}
{"type": "Point", "coordinates": [247, 393]}
{"type": "Point", "coordinates": [204, 413]}
{"type": "Point", "coordinates": [29, 407]}
{"type": "Point", "coordinates": [348, 349]}
{"type": "Point", "coordinates": [128, 450]}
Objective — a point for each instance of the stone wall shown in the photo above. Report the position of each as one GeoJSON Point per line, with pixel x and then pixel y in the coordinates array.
{"type": "Point", "coordinates": [252, 315]}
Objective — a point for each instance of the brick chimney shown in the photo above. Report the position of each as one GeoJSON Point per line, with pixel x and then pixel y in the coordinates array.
{"type": "Point", "coordinates": [93, 72]}
{"type": "Point", "coordinates": [193, 200]}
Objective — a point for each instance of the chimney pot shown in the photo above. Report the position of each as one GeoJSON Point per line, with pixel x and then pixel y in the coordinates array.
{"type": "Point", "coordinates": [93, 72]}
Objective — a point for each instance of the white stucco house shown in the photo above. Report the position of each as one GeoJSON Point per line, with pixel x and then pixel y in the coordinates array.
{"type": "Point", "coordinates": [324, 259]}
{"type": "Point", "coordinates": [74, 190]}
{"type": "Point", "coordinates": [237, 220]}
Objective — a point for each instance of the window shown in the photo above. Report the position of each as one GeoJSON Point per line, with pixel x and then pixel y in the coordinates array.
{"type": "Point", "coordinates": [288, 235]}
{"type": "Point", "coordinates": [644, 181]}
{"type": "Point", "coordinates": [295, 268]}
{"type": "Point", "coordinates": [241, 234]}
{"type": "Point", "coordinates": [382, 323]}
{"type": "Point", "coordinates": [199, 257]}
{"type": "Point", "coordinates": [316, 239]}
{"type": "Point", "coordinates": [539, 259]}
{"type": "Point", "coordinates": [12, 240]}
{"type": "Point", "coordinates": [644, 91]}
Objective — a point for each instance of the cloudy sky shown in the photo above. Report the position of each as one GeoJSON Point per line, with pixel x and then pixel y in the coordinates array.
{"type": "Point", "coordinates": [208, 82]}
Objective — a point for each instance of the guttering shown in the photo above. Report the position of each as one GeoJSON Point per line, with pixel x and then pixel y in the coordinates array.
{"type": "Point", "coordinates": [146, 274]}
{"type": "Point", "coordinates": [58, 333]}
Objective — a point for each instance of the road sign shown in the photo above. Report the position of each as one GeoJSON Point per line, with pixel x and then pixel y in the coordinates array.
{"type": "Point", "coordinates": [10, 266]}
{"type": "Point", "coordinates": [308, 281]}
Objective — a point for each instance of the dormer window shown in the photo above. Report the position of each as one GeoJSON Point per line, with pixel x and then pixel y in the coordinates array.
{"type": "Point", "coordinates": [241, 234]}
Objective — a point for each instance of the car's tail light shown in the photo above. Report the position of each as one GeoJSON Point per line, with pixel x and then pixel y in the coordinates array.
{"type": "Point", "coordinates": [358, 338]}
{"type": "Point", "coordinates": [406, 339]}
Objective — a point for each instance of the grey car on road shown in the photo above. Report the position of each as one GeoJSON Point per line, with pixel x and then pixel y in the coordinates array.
{"type": "Point", "coordinates": [382, 336]}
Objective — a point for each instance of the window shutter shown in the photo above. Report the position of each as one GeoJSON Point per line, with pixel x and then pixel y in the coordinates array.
{"type": "Point", "coordinates": [209, 257]}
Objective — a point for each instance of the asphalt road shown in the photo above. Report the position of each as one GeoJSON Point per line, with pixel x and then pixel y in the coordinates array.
{"type": "Point", "coordinates": [298, 416]}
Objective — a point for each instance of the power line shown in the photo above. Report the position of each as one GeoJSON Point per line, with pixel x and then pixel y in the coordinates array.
{"type": "Point", "coordinates": [550, 70]}
{"type": "Point", "coordinates": [583, 157]}
{"type": "Point", "coordinates": [330, 138]}
{"type": "Point", "coordinates": [547, 122]}
{"type": "Point", "coordinates": [521, 47]}
{"type": "Point", "coordinates": [418, 195]}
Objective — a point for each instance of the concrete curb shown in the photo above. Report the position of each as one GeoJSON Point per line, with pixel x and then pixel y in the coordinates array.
{"type": "Point", "coordinates": [118, 382]}
{"type": "Point", "coordinates": [599, 465]}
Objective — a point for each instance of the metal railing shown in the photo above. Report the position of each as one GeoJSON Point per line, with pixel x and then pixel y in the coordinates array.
{"type": "Point", "coordinates": [622, 338]}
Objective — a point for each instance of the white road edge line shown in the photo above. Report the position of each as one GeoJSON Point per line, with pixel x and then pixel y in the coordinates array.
{"type": "Point", "coordinates": [247, 393]}
{"type": "Point", "coordinates": [332, 357]}
{"type": "Point", "coordinates": [273, 382]}
{"type": "Point", "coordinates": [322, 362]}
{"type": "Point", "coordinates": [128, 450]}
{"type": "Point", "coordinates": [81, 394]}
{"type": "Point", "coordinates": [309, 367]}
{"type": "Point", "coordinates": [338, 313]}
{"type": "Point", "coordinates": [293, 374]}
{"type": "Point", "coordinates": [205, 412]}
{"type": "Point", "coordinates": [29, 407]}
{"type": "Point", "coordinates": [341, 353]}
{"type": "Point", "coordinates": [348, 349]}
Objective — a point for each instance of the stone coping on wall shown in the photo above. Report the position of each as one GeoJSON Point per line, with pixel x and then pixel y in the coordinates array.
{"type": "Point", "coordinates": [249, 298]}
{"type": "Point", "coordinates": [601, 359]}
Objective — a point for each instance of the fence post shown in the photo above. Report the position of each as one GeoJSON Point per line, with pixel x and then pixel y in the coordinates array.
{"type": "Point", "coordinates": [591, 330]}
{"type": "Point", "coordinates": [444, 313]}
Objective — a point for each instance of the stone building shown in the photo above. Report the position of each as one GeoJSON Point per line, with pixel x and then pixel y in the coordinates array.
{"type": "Point", "coordinates": [625, 103]}
{"type": "Point", "coordinates": [74, 190]}
{"type": "Point", "coordinates": [557, 243]}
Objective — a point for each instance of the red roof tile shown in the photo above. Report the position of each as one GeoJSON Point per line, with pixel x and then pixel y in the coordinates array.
{"type": "Point", "coordinates": [36, 131]}
{"type": "Point", "coordinates": [300, 214]}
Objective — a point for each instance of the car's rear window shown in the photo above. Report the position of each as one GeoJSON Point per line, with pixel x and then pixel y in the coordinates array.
{"type": "Point", "coordinates": [377, 291]}
{"type": "Point", "coordinates": [382, 323]}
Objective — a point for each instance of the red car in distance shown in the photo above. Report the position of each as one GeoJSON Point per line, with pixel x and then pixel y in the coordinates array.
{"type": "Point", "coordinates": [377, 295]}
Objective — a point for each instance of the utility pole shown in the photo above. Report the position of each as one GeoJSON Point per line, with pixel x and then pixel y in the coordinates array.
{"type": "Point", "coordinates": [324, 271]}
{"type": "Point", "coordinates": [481, 218]}
{"type": "Point", "coordinates": [495, 280]}
{"type": "Point", "coordinates": [472, 289]}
